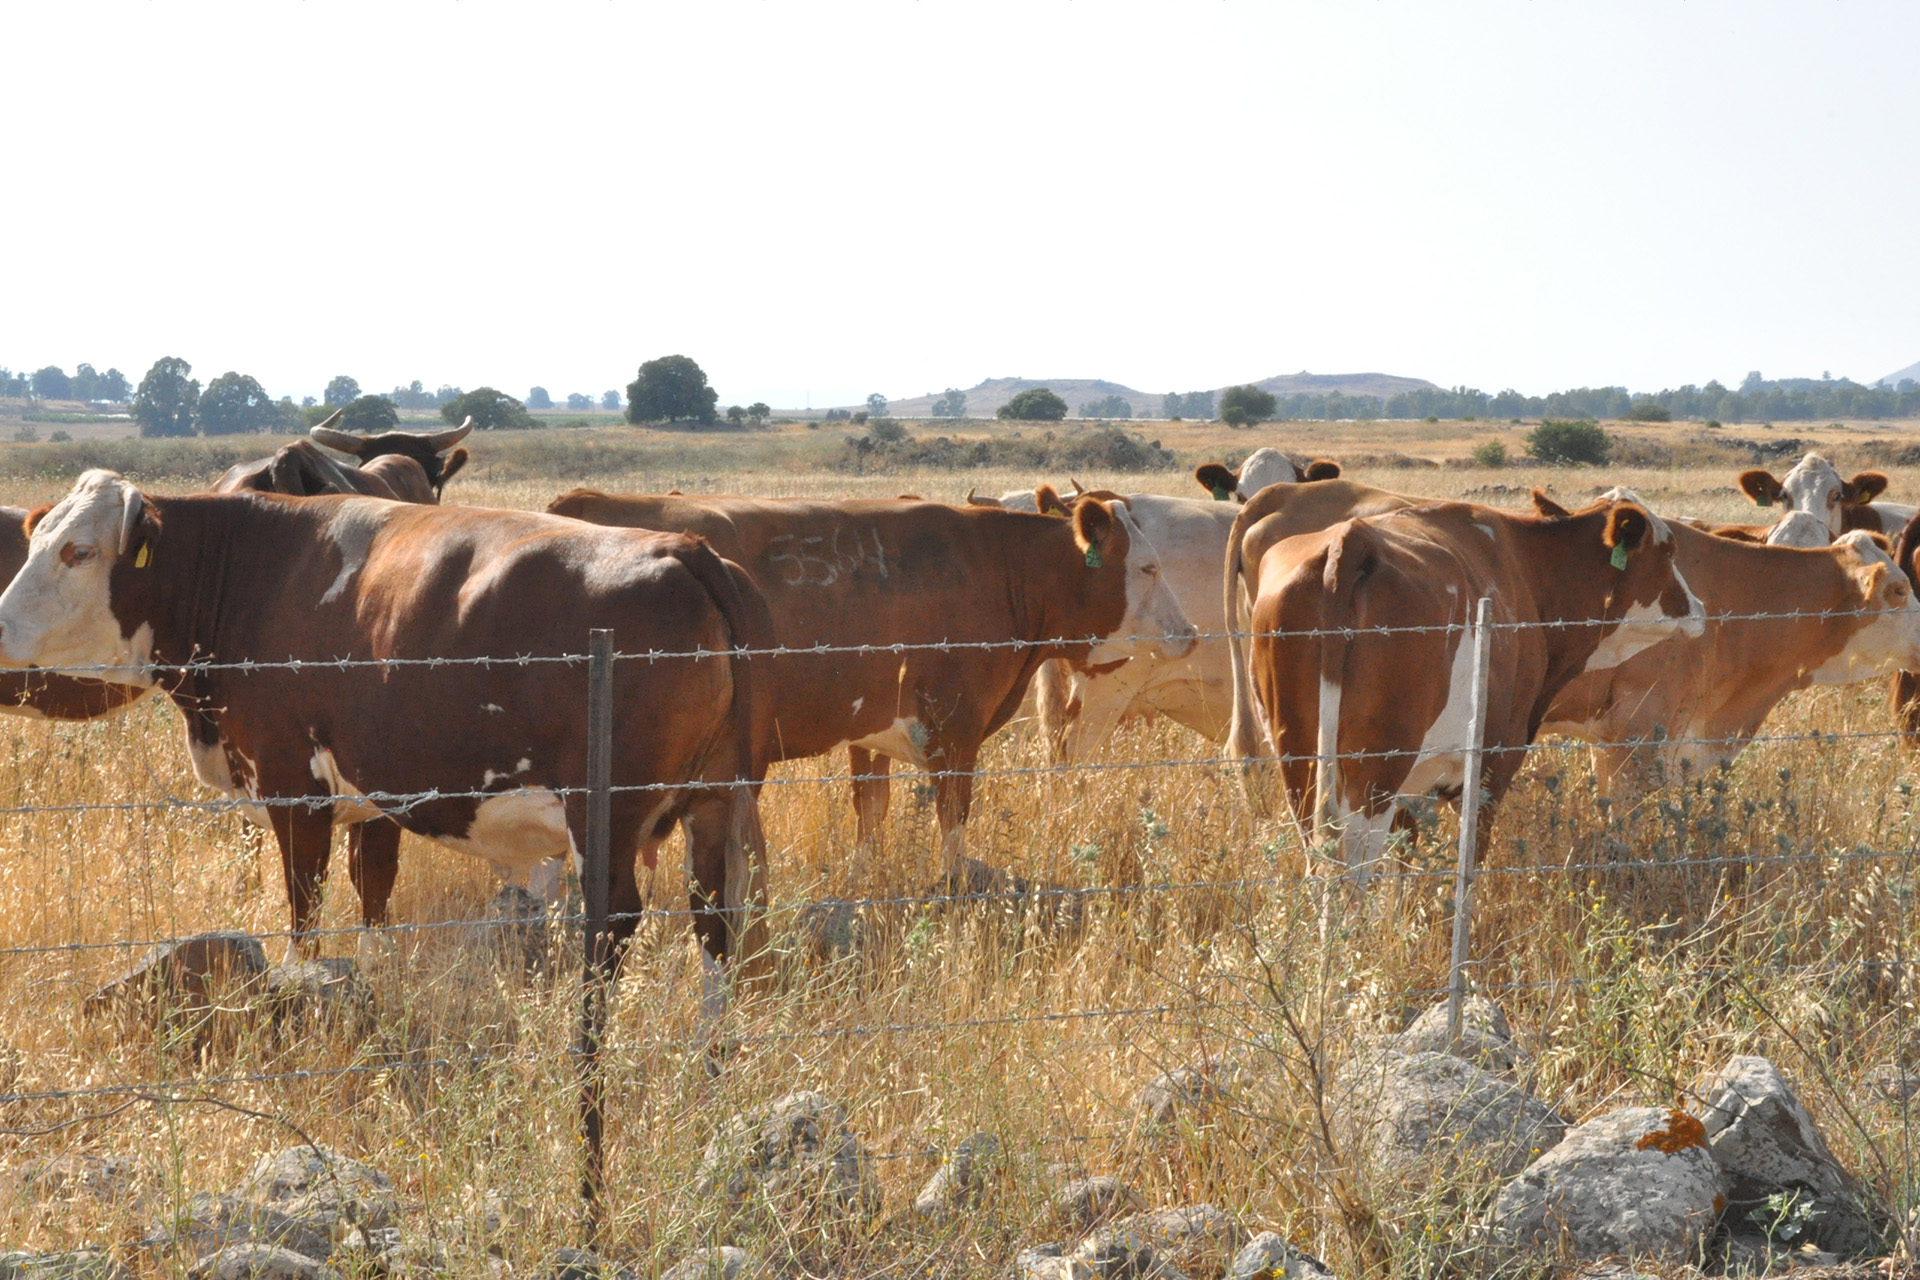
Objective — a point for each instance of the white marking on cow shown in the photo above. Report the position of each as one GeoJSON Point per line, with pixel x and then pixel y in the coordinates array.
{"type": "Point", "coordinates": [352, 530]}
{"type": "Point", "coordinates": [57, 611]}
{"type": "Point", "coordinates": [1799, 529]}
{"type": "Point", "coordinates": [1442, 761]}
{"type": "Point", "coordinates": [326, 769]}
{"type": "Point", "coordinates": [1486, 529]}
{"type": "Point", "coordinates": [1328, 800]}
{"type": "Point", "coordinates": [516, 831]}
{"type": "Point", "coordinates": [904, 739]}
{"type": "Point", "coordinates": [213, 766]}
{"type": "Point", "coordinates": [1153, 623]}
{"type": "Point", "coordinates": [1645, 625]}
{"type": "Point", "coordinates": [1262, 467]}
{"type": "Point", "coordinates": [494, 707]}
{"type": "Point", "coordinates": [820, 560]}
{"type": "Point", "coordinates": [857, 704]}
{"type": "Point", "coordinates": [491, 776]}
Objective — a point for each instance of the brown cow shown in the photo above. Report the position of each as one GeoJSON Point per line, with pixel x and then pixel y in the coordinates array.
{"type": "Point", "coordinates": [47, 695]}
{"type": "Point", "coordinates": [885, 572]}
{"type": "Point", "coordinates": [1385, 714]}
{"type": "Point", "coordinates": [144, 583]}
{"type": "Point", "coordinates": [407, 466]}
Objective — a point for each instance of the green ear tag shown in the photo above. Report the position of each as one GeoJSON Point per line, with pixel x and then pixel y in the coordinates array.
{"type": "Point", "coordinates": [1619, 560]}
{"type": "Point", "coordinates": [1093, 557]}
{"type": "Point", "coordinates": [1219, 494]}
{"type": "Point", "coordinates": [1763, 501]}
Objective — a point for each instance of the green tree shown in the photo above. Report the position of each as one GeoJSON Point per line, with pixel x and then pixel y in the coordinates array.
{"type": "Point", "coordinates": [1490, 453]}
{"type": "Point", "coordinates": [671, 389]}
{"type": "Point", "coordinates": [609, 399]}
{"type": "Point", "coordinates": [759, 412]}
{"type": "Point", "coordinates": [1244, 406]}
{"type": "Point", "coordinates": [953, 404]}
{"type": "Point", "coordinates": [538, 398]}
{"type": "Point", "coordinates": [1035, 404]}
{"type": "Point", "coordinates": [163, 405]}
{"type": "Point", "coordinates": [1113, 406]}
{"type": "Point", "coordinates": [52, 383]}
{"type": "Point", "coordinates": [736, 415]}
{"type": "Point", "coordinates": [113, 386]}
{"type": "Point", "coordinates": [579, 401]}
{"type": "Point", "coordinates": [446, 395]}
{"type": "Point", "coordinates": [1649, 411]}
{"type": "Point", "coordinates": [341, 392]}
{"type": "Point", "coordinates": [414, 396]}
{"type": "Point", "coordinates": [370, 415]}
{"type": "Point", "coordinates": [876, 405]}
{"type": "Point", "coordinates": [490, 410]}
{"type": "Point", "coordinates": [86, 382]}
{"type": "Point", "coordinates": [11, 383]}
{"type": "Point", "coordinates": [235, 403]}
{"type": "Point", "coordinates": [1560, 443]}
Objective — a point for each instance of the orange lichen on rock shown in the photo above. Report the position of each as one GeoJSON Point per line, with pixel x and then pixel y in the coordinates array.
{"type": "Point", "coordinates": [1682, 1131]}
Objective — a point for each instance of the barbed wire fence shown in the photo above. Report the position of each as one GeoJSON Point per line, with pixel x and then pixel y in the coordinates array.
{"type": "Point", "coordinates": [601, 662]}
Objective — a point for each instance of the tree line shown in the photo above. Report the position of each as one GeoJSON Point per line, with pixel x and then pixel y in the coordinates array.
{"type": "Point", "coordinates": [54, 383]}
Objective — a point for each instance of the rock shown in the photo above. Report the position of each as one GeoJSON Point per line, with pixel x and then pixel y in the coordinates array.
{"type": "Point", "coordinates": [1638, 1182]}
{"type": "Point", "coordinates": [1198, 1239]}
{"type": "Point", "coordinates": [326, 1193]}
{"type": "Point", "coordinates": [1744, 1253]}
{"type": "Point", "coordinates": [187, 977]}
{"type": "Point", "coordinates": [800, 1152]}
{"type": "Point", "coordinates": [210, 1223]}
{"type": "Point", "coordinates": [1268, 1256]}
{"type": "Point", "coordinates": [1087, 1201]}
{"type": "Point", "coordinates": [75, 1175]}
{"type": "Point", "coordinates": [960, 1179]}
{"type": "Point", "coordinates": [1412, 1115]}
{"type": "Point", "coordinates": [829, 930]}
{"type": "Point", "coordinates": [1115, 1257]}
{"type": "Point", "coordinates": [578, 1264]}
{"type": "Point", "coordinates": [1191, 1092]}
{"type": "Point", "coordinates": [260, 1262]}
{"type": "Point", "coordinates": [1048, 1262]}
{"type": "Point", "coordinates": [1485, 1038]}
{"type": "Point", "coordinates": [1769, 1146]}
{"type": "Point", "coordinates": [330, 992]}
{"type": "Point", "coordinates": [514, 930]}
{"type": "Point", "coordinates": [80, 1264]}
{"type": "Point", "coordinates": [723, 1263]}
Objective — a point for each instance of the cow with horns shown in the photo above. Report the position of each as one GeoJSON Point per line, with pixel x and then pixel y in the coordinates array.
{"type": "Point", "coordinates": [407, 466]}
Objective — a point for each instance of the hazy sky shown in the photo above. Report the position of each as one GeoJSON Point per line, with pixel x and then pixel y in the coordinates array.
{"type": "Point", "coordinates": [832, 199]}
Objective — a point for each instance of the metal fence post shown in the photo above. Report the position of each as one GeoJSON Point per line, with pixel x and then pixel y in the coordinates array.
{"type": "Point", "coordinates": [1469, 818]}
{"type": "Point", "coordinates": [595, 888]}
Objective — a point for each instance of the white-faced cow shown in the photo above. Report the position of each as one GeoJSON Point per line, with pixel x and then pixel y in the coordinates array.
{"type": "Point", "coordinates": [158, 586]}
{"type": "Point", "coordinates": [1383, 714]}
{"type": "Point", "coordinates": [1026, 588]}
{"type": "Point", "coordinates": [1261, 468]}
{"type": "Point", "coordinates": [407, 466]}
{"type": "Point", "coordinates": [1693, 701]}
{"type": "Point", "coordinates": [1815, 488]}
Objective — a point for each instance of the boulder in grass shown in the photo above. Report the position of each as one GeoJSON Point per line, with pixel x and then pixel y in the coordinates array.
{"type": "Point", "coordinates": [187, 977]}
{"type": "Point", "coordinates": [723, 1263]}
{"type": "Point", "coordinates": [1192, 1093]}
{"type": "Point", "coordinates": [1049, 1262]}
{"type": "Point", "coordinates": [1774, 1155]}
{"type": "Point", "coordinates": [959, 1181]}
{"type": "Point", "coordinates": [1485, 1038]}
{"type": "Point", "coordinates": [325, 992]}
{"type": "Point", "coordinates": [1087, 1201]}
{"type": "Point", "coordinates": [78, 1264]}
{"type": "Point", "coordinates": [1633, 1183]}
{"type": "Point", "coordinates": [798, 1154]}
{"type": "Point", "coordinates": [326, 1193]}
{"type": "Point", "coordinates": [579, 1264]}
{"type": "Point", "coordinates": [1268, 1256]}
{"type": "Point", "coordinates": [260, 1262]}
{"type": "Point", "coordinates": [1197, 1240]}
{"type": "Point", "coordinates": [208, 1223]}
{"type": "Point", "coordinates": [1416, 1115]}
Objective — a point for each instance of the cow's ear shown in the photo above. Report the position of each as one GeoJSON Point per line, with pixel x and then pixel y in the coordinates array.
{"type": "Point", "coordinates": [1545, 506]}
{"type": "Point", "coordinates": [1734, 533]}
{"type": "Point", "coordinates": [1627, 527]}
{"type": "Point", "coordinates": [1864, 488]}
{"type": "Point", "coordinates": [1049, 502]}
{"type": "Point", "coordinates": [1880, 540]}
{"type": "Point", "coordinates": [455, 460]}
{"type": "Point", "coordinates": [34, 517]}
{"type": "Point", "coordinates": [1216, 479]}
{"type": "Point", "coordinates": [1761, 487]}
{"type": "Point", "coordinates": [1323, 469]}
{"type": "Point", "coordinates": [139, 529]}
{"type": "Point", "coordinates": [1092, 528]}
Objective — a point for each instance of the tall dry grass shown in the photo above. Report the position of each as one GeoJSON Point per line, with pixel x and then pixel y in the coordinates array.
{"type": "Point", "coordinates": [1781, 924]}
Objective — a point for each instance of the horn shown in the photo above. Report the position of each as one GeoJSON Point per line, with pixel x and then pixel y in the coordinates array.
{"type": "Point", "coordinates": [341, 440]}
{"type": "Point", "coordinates": [1078, 488]}
{"type": "Point", "coordinates": [136, 506]}
{"type": "Point", "coordinates": [445, 440]}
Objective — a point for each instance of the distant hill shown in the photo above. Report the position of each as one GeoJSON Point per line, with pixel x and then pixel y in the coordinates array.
{"type": "Point", "coordinates": [1911, 371]}
{"type": "Point", "coordinates": [984, 400]}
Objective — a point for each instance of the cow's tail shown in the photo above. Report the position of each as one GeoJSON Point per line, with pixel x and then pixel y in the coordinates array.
{"type": "Point", "coordinates": [749, 626]}
{"type": "Point", "coordinates": [1244, 740]}
{"type": "Point", "coordinates": [1347, 557]}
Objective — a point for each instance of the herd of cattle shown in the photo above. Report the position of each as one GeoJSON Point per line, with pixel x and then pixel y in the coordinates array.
{"type": "Point", "coordinates": [1310, 624]}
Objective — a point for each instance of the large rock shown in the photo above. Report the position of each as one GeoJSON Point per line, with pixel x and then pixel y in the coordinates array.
{"type": "Point", "coordinates": [723, 1263]}
{"type": "Point", "coordinates": [260, 1262]}
{"type": "Point", "coordinates": [1769, 1146]}
{"type": "Point", "coordinates": [209, 1223]}
{"type": "Point", "coordinates": [1415, 1114]}
{"type": "Point", "coordinates": [76, 1176]}
{"type": "Point", "coordinates": [1196, 1240]}
{"type": "Point", "coordinates": [959, 1181]}
{"type": "Point", "coordinates": [324, 992]}
{"type": "Point", "coordinates": [1087, 1201]}
{"type": "Point", "coordinates": [1268, 1256]}
{"type": "Point", "coordinates": [187, 977]}
{"type": "Point", "coordinates": [81, 1264]}
{"type": "Point", "coordinates": [1049, 1262]}
{"type": "Point", "coordinates": [1638, 1182]}
{"type": "Point", "coordinates": [1192, 1093]}
{"type": "Point", "coordinates": [798, 1154]}
{"type": "Point", "coordinates": [326, 1193]}
{"type": "Point", "coordinates": [1485, 1038]}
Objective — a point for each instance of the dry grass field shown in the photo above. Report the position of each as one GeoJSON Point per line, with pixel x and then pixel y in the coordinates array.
{"type": "Point", "coordinates": [1783, 927]}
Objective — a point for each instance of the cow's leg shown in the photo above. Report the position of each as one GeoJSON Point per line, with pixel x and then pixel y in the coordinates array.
{"type": "Point", "coordinates": [870, 794]}
{"type": "Point", "coordinates": [305, 835]}
{"type": "Point", "coordinates": [726, 858]}
{"type": "Point", "coordinates": [953, 801]}
{"type": "Point", "coordinates": [373, 863]}
{"type": "Point", "coordinates": [1055, 704]}
{"type": "Point", "coordinates": [1102, 703]}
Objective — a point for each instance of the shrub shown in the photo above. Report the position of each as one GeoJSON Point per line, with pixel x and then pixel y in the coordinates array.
{"type": "Point", "coordinates": [1713, 424]}
{"type": "Point", "coordinates": [1648, 411]}
{"type": "Point", "coordinates": [886, 431]}
{"type": "Point", "coordinates": [1035, 404]}
{"type": "Point", "coordinates": [1490, 453]}
{"type": "Point", "coordinates": [1560, 443]}
{"type": "Point", "coordinates": [1244, 406]}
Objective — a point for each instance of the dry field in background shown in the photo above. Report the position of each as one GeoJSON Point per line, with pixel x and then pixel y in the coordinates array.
{"type": "Point", "coordinates": [1785, 931]}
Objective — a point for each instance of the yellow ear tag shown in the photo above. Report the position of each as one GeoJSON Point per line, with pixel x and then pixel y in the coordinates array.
{"type": "Point", "coordinates": [1619, 558]}
{"type": "Point", "coordinates": [143, 557]}
{"type": "Point", "coordinates": [1093, 557]}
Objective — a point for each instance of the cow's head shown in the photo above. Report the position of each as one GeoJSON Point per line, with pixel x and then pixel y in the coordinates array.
{"type": "Point", "coordinates": [1647, 596]}
{"type": "Point", "coordinates": [428, 448]}
{"type": "Point", "coordinates": [1262, 467]}
{"type": "Point", "coordinates": [1887, 631]}
{"type": "Point", "coordinates": [58, 610]}
{"type": "Point", "coordinates": [1813, 487]}
{"type": "Point", "coordinates": [1799, 529]}
{"type": "Point", "coordinates": [1112, 543]}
